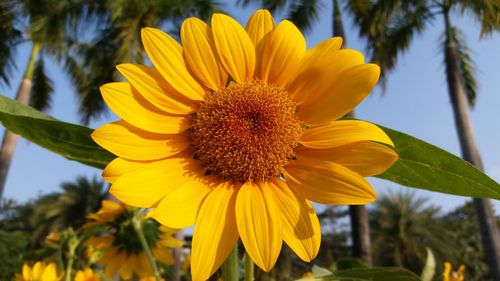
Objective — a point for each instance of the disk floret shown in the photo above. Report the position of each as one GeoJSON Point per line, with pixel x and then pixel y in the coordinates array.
{"type": "Point", "coordinates": [246, 132]}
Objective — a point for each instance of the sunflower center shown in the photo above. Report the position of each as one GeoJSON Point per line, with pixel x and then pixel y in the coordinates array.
{"type": "Point", "coordinates": [246, 132]}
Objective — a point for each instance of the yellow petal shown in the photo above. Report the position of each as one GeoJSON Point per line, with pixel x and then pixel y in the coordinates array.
{"type": "Point", "coordinates": [145, 186]}
{"type": "Point", "coordinates": [343, 132]}
{"type": "Point", "coordinates": [27, 273]}
{"type": "Point", "coordinates": [200, 53]}
{"type": "Point", "coordinates": [320, 70]}
{"type": "Point", "coordinates": [163, 255]}
{"type": "Point", "coordinates": [168, 241]}
{"type": "Point", "coordinates": [126, 269]}
{"type": "Point", "coordinates": [80, 276]}
{"type": "Point", "coordinates": [236, 50]}
{"type": "Point", "coordinates": [114, 264]}
{"type": "Point", "coordinates": [37, 270]}
{"type": "Point", "coordinates": [166, 55]}
{"type": "Point", "coordinates": [120, 166]}
{"type": "Point", "coordinates": [325, 53]}
{"type": "Point", "coordinates": [349, 89]}
{"type": "Point", "coordinates": [151, 85]}
{"type": "Point", "coordinates": [143, 264]}
{"type": "Point", "coordinates": [301, 228]}
{"type": "Point", "coordinates": [365, 158]}
{"type": "Point", "coordinates": [133, 263]}
{"type": "Point", "coordinates": [330, 183]}
{"type": "Point", "coordinates": [180, 207]}
{"type": "Point", "coordinates": [282, 52]}
{"type": "Point", "coordinates": [260, 23]}
{"type": "Point", "coordinates": [126, 102]}
{"type": "Point", "coordinates": [260, 225]}
{"type": "Point", "coordinates": [49, 273]}
{"type": "Point", "coordinates": [215, 233]}
{"type": "Point", "coordinates": [124, 140]}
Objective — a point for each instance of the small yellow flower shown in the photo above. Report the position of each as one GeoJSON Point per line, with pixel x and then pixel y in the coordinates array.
{"type": "Point", "coordinates": [108, 212]}
{"type": "Point", "coordinates": [237, 130]}
{"type": "Point", "coordinates": [119, 249]}
{"type": "Point", "coordinates": [449, 275]}
{"type": "Point", "coordinates": [39, 272]}
{"type": "Point", "coordinates": [52, 238]}
{"type": "Point", "coordinates": [87, 275]}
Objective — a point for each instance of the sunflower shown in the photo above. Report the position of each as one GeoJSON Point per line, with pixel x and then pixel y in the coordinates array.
{"type": "Point", "coordinates": [87, 275]}
{"type": "Point", "coordinates": [119, 249]}
{"type": "Point", "coordinates": [39, 272]}
{"type": "Point", "coordinates": [449, 275]}
{"type": "Point", "coordinates": [237, 130]}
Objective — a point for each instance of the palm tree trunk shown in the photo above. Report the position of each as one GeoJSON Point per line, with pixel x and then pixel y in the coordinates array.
{"type": "Point", "coordinates": [490, 237]}
{"type": "Point", "coordinates": [338, 24]}
{"type": "Point", "coordinates": [10, 139]}
{"type": "Point", "coordinates": [360, 230]}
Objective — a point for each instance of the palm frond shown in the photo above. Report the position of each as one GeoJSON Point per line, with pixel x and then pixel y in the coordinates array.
{"type": "Point", "coordinates": [9, 38]}
{"type": "Point", "coordinates": [176, 10]}
{"type": "Point", "coordinates": [465, 64]}
{"type": "Point", "coordinates": [389, 28]}
{"type": "Point", "coordinates": [486, 12]}
{"type": "Point", "coordinates": [271, 5]}
{"type": "Point", "coordinates": [303, 13]}
{"type": "Point", "coordinates": [42, 90]}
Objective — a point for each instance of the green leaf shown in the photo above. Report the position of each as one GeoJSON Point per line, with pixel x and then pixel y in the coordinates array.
{"type": "Point", "coordinates": [69, 140]}
{"type": "Point", "coordinates": [373, 274]}
{"type": "Point", "coordinates": [425, 166]}
{"type": "Point", "coordinates": [420, 164]}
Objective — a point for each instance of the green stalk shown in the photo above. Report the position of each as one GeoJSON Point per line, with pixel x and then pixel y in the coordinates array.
{"type": "Point", "coordinates": [249, 268]}
{"type": "Point", "coordinates": [72, 245]}
{"type": "Point", "coordinates": [230, 266]}
{"type": "Point", "coordinates": [136, 223]}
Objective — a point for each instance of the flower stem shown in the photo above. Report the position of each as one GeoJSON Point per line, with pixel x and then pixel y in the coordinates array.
{"type": "Point", "coordinates": [249, 268]}
{"type": "Point", "coordinates": [230, 266]}
{"type": "Point", "coordinates": [136, 222]}
{"type": "Point", "coordinates": [72, 245]}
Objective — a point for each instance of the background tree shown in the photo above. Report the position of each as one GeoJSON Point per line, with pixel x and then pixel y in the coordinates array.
{"type": "Point", "coordinates": [117, 40]}
{"type": "Point", "coordinates": [69, 208]}
{"type": "Point", "coordinates": [463, 227]}
{"type": "Point", "coordinates": [403, 225]}
{"type": "Point", "coordinates": [46, 24]}
{"type": "Point", "coordinates": [88, 38]}
{"type": "Point", "coordinates": [390, 26]}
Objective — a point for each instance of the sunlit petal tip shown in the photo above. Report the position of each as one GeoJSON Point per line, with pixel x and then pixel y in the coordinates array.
{"type": "Point", "coordinates": [234, 47]}
{"type": "Point", "coordinates": [281, 54]}
{"type": "Point", "coordinates": [200, 54]}
{"type": "Point", "coordinates": [260, 23]}
{"type": "Point", "coordinates": [373, 75]}
{"type": "Point", "coordinates": [166, 54]}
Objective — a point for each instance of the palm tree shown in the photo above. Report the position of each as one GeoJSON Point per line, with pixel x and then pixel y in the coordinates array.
{"type": "Point", "coordinates": [402, 226]}
{"type": "Point", "coordinates": [47, 25]}
{"type": "Point", "coordinates": [69, 208]}
{"type": "Point", "coordinates": [303, 13]}
{"type": "Point", "coordinates": [92, 64]}
{"type": "Point", "coordinates": [390, 26]}
{"type": "Point", "coordinates": [54, 28]}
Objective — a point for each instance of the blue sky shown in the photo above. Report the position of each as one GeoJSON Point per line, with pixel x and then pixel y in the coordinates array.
{"type": "Point", "coordinates": [416, 102]}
